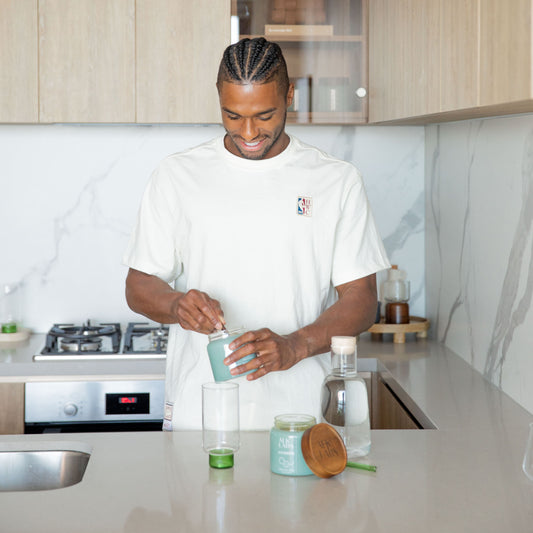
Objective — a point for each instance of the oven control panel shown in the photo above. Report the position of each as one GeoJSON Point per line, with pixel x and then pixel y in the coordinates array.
{"type": "Point", "coordinates": [94, 401]}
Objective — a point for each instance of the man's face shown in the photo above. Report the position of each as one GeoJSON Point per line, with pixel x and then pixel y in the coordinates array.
{"type": "Point", "coordinates": [254, 118]}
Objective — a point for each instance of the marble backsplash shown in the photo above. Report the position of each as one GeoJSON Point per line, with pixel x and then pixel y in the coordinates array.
{"type": "Point", "coordinates": [70, 193]}
{"type": "Point", "coordinates": [479, 240]}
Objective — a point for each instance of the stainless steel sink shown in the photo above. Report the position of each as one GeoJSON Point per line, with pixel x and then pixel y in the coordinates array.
{"type": "Point", "coordinates": [42, 465]}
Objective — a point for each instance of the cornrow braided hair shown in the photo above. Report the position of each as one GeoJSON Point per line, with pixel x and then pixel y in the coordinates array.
{"type": "Point", "coordinates": [254, 61]}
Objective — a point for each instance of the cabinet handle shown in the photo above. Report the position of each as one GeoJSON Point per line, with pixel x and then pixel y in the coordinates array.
{"type": "Point", "coordinates": [361, 92]}
{"type": "Point", "coordinates": [234, 29]}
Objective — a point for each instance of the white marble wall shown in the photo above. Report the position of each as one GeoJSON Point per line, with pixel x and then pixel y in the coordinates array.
{"type": "Point", "coordinates": [69, 197]}
{"type": "Point", "coordinates": [479, 240]}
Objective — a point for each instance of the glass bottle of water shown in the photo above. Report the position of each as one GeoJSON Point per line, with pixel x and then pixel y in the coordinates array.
{"type": "Point", "coordinates": [344, 398]}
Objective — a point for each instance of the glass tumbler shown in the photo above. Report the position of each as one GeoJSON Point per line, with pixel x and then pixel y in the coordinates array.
{"type": "Point", "coordinates": [527, 464]}
{"type": "Point", "coordinates": [220, 422]}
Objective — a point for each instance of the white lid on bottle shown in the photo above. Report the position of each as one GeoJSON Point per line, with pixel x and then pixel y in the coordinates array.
{"type": "Point", "coordinates": [346, 343]}
{"type": "Point", "coordinates": [395, 274]}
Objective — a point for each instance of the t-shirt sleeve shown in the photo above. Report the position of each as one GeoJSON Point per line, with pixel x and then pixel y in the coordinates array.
{"type": "Point", "coordinates": [359, 250]}
{"type": "Point", "coordinates": [152, 246]}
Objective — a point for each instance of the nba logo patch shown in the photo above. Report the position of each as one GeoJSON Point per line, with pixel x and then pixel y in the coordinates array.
{"type": "Point", "coordinates": [305, 204]}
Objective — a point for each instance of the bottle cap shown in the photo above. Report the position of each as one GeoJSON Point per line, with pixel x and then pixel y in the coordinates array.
{"type": "Point", "coordinates": [221, 461]}
{"type": "Point", "coordinates": [348, 343]}
{"type": "Point", "coordinates": [324, 451]}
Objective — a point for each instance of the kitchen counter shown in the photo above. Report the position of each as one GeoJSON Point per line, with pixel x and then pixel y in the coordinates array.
{"type": "Point", "coordinates": [464, 476]}
{"type": "Point", "coordinates": [17, 365]}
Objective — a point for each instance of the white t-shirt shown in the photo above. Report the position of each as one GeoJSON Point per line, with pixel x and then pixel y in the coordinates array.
{"type": "Point", "coordinates": [268, 239]}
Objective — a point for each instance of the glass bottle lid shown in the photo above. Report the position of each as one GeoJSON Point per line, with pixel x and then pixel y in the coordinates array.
{"type": "Point", "coordinates": [324, 451]}
{"type": "Point", "coordinates": [347, 343]}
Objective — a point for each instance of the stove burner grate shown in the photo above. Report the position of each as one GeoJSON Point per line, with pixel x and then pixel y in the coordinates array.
{"type": "Point", "coordinates": [86, 338]}
{"type": "Point", "coordinates": [158, 337]}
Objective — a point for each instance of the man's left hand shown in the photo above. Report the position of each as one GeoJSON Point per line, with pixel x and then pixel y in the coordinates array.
{"type": "Point", "coordinates": [274, 352]}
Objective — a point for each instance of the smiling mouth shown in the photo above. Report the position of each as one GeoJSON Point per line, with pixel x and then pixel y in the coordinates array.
{"type": "Point", "coordinates": [253, 145]}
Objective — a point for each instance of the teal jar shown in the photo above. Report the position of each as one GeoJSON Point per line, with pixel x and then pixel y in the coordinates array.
{"type": "Point", "coordinates": [286, 456]}
{"type": "Point", "coordinates": [218, 349]}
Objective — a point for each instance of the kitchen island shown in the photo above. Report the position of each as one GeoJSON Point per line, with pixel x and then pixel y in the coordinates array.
{"type": "Point", "coordinates": [464, 476]}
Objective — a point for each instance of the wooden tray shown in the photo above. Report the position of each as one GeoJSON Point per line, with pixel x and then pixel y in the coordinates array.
{"type": "Point", "coordinates": [416, 325]}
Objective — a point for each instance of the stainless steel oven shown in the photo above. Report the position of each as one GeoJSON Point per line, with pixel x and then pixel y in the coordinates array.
{"type": "Point", "coordinates": [82, 406]}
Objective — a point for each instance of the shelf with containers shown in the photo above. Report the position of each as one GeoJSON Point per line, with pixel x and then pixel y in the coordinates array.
{"type": "Point", "coordinates": [325, 45]}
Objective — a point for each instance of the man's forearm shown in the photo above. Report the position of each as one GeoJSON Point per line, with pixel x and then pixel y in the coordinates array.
{"type": "Point", "coordinates": [353, 313]}
{"type": "Point", "coordinates": [151, 297]}
{"type": "Point", "coordinates": [155, 299]}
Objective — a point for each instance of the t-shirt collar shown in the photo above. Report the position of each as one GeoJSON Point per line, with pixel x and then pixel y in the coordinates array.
{"type": "Point", "coordinates": [255, 164]}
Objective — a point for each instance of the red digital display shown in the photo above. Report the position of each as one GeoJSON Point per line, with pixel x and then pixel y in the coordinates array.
{"type": "Point", "coordinates": [127, 399]}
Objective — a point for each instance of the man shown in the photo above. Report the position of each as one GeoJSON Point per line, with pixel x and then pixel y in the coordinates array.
{"type": "Point", "coordinates": [258, 229]}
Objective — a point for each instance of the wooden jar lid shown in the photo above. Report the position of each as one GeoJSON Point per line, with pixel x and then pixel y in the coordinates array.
{"type": "Point", "coordinates": [324, 451]}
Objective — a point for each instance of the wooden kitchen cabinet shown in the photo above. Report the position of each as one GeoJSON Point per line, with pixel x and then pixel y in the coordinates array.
{"type": "Point", "coordinates": [459, 50]}
{"type": "Point", "coordinates": [388, 410]}
{"type": "Point", "coordinates": [179, 47]}
{"type": "Point", "coordinates": [325, 45]}
{"type": "Point", "coordinates": [87, 61]}
{"type": "Point", "coordinates": [11, 408]}
{"type": "Point", "coordinates": [403, 58]}
{"type": "Point", "coordinates": [505, 61]}
{"type": "Point", "coordinates": [18, 61]}
{"type": "Point", "coordinates": [439, 60]}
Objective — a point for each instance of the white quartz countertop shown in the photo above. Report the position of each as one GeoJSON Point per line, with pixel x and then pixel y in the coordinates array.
{"type": "Point", "coordinates": [17, 365]}
{"type": "Point", "coordinates": [464, 476]}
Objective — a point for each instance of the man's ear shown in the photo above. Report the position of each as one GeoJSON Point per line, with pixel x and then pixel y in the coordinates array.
{"type": "Point", "coordinates": [290, 94]}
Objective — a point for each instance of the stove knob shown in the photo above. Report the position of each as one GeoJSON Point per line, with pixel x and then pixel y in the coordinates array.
{"type": "Point", "coordinates": [70, 409]}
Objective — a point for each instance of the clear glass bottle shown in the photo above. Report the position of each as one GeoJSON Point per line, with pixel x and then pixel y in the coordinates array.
{"type": "Point", "coordinates": [396, 293]}
{"type": "Point", "coordinates": [344, 398]}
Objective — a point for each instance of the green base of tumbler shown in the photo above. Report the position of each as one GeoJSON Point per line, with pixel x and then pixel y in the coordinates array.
{"type": "Point", "coordinates": [221, 459]}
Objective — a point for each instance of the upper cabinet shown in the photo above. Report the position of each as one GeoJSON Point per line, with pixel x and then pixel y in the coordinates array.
{"type": "Point", "coordinates": [458, 52]}
{"type": "Point", "coordinates": [404, 58]}
{"type": "Point", "coordinates": [19, 85]}
{"type": "Point", "coordinates": [179, 46]}
{"type": "Point", "coordinates": [325, 45]}
{"type": "Point", "coordinates": [87, 60]}
{"type": "Point", "coordinates": [436, 60]}
{"type": "Point", "coordinates": [505, 60]}
{"type": "Point", "coordinates": [351, 61]}
{"type": "Point", "coordinates": [111, 61]}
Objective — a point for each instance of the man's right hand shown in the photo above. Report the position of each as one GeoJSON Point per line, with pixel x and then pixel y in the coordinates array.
{"type": "Point", "coordinates": [152, 297]}
{"type": "Point", "coordinates": [196, 311]}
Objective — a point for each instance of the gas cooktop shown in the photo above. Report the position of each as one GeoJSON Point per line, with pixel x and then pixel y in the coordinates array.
{"type": "Point", "coordinates": [69, 342]}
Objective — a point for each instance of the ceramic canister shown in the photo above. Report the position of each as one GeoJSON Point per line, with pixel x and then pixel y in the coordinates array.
{"type": "Point", "coordinates": [218, 349]}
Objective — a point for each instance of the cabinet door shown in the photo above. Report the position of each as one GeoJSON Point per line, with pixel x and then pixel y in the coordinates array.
{"type": "Point", "coordinates": [505, 51]}
{"type": "Point", "coordinates": [324, 43]}
{"type": "Point", "coordinates": [87, 60]}
{"type": "Point", "coordinates": [18, 61]}
{"type": "Point", "coordinates": [11, 408]}
{"type": "Point", "coordinates": [459, 52]}
{"type": "Point", "coordinates": [179, 47]}
{"type": "Point", "coordinates": [404, 62]}
{"type": "Point", "coordinates": [390, 413]}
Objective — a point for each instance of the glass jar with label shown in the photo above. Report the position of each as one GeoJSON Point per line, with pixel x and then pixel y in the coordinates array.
{"type": "Point", "coordinates": [286, 456]}
{"type": "Point", "coordinates": [218, 349]}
